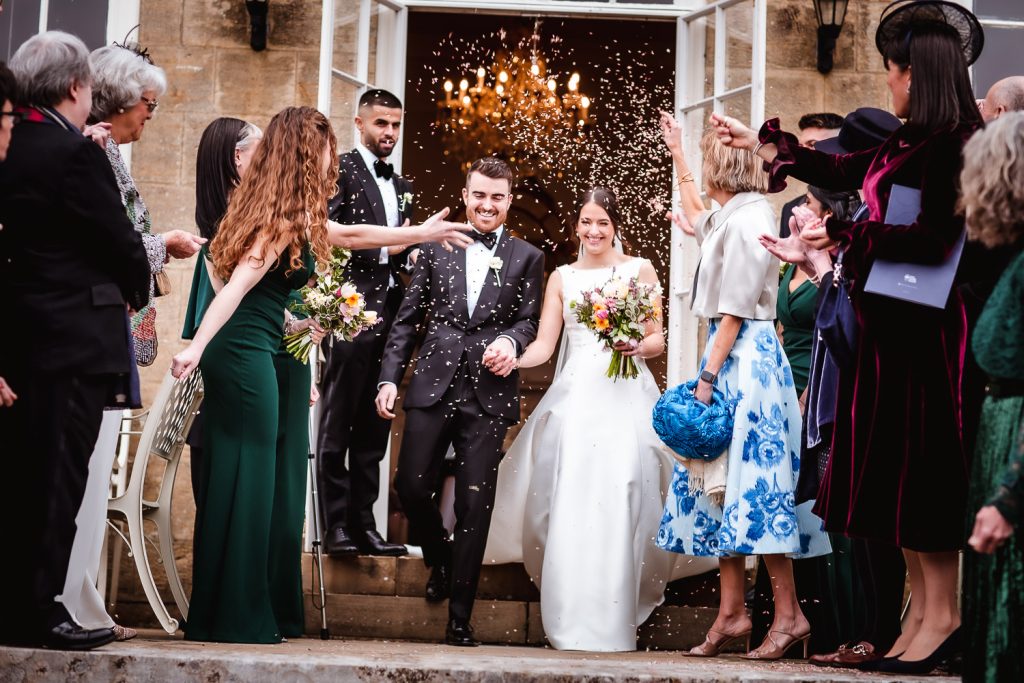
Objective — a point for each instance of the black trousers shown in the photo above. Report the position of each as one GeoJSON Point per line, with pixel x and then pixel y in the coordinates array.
{"type": "Point", "coordinates": [349, 424]}
{"type": "Point", "coordinates": [478, 437]}
{"type": "Point", "coordinates": [46, 439]}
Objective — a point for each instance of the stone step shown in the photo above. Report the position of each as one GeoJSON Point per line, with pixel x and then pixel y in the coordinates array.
{"type": "Point", "coordinates": [382, 598]}
{"type": "Point", "coordinates": [154, 656]}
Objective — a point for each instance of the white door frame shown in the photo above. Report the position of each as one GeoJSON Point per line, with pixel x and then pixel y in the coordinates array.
{"type": "Point", "coordinates": [392, 31]}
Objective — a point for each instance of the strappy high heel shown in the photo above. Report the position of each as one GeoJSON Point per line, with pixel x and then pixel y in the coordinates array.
{"type": "Point", "coordinates": [711, 648]}
{"type": "Point", "coordinates": [781, 646]}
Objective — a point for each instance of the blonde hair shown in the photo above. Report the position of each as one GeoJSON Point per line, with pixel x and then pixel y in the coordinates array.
{"type": "Point", "coordinates": [729, 169]}
{"type": "Point", "coordinates": [991, 194]}
{"type": "Point", "coordinates": [284, 192]}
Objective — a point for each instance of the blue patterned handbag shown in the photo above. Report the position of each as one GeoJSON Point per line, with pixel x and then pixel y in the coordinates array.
{"type": "Point", "coordinates": [693, 429]}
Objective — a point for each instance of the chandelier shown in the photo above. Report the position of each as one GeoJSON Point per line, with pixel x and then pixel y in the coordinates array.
{"type": "Point", "coordinates": [514, 108]}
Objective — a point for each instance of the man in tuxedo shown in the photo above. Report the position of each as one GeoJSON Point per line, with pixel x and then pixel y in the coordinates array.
{"type": "Point", "coordinates": [69, 261]}
{"type": "Point", "coordinates": [480, 310]}
{"type": "Point", "coordinates": [813, 129]}
{"type": "Point", "coordinates": [369, 192]}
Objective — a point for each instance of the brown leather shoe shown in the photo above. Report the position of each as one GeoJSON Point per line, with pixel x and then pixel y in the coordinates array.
{"type": "Point", "coordinates": [848, 656]}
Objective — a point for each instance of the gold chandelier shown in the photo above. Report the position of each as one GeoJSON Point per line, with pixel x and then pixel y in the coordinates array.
{"type": "Point", "coordinates": [514, 107]}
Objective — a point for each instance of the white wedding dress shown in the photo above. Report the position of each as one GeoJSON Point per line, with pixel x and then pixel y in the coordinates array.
{"type": "Point", "coordinates": [580, 494]}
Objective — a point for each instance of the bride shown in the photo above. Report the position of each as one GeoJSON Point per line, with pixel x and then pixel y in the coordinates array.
{"type": "Point", "coordinates": [579, 494]}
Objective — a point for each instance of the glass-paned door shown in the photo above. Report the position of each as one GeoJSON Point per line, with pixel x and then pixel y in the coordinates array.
{"type": "Point", "coordinates": [720, 57]}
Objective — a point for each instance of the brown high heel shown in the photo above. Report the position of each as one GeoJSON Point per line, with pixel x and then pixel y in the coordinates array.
{"type": "Point", "coordinates": [788, 640]}
{"type": "Point", "coordinates": [713, 647]}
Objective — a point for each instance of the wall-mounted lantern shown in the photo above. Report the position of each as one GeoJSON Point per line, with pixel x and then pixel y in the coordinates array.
{"type": "Point", "coordinates": [831, 14]}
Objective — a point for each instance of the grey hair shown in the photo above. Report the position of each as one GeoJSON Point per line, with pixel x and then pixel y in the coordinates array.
{"type": "Point", "coordinates": [991, 194]}
{"type": "Point", "coordinates": [249, 135]}
{"type": "Point", "coordinates": [48, 65]}
{"type": "Point", "coordinates": [120, 77]}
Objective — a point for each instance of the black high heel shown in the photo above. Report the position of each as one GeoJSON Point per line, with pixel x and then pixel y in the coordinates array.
{"type": "Point", "coordinates": [948, 651]}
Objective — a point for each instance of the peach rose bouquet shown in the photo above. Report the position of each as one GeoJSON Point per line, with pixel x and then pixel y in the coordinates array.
{"type": "Point", "coordinates": [618, 311]}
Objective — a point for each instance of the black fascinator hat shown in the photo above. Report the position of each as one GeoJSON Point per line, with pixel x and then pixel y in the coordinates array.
{"type": "Point", "coordinates": [902, 18]}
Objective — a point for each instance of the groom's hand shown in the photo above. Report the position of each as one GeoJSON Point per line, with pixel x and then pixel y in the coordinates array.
{"type": "Point", "coordinates": [385, 401]}
{"type": "Point", "coordinates": [500, 357]}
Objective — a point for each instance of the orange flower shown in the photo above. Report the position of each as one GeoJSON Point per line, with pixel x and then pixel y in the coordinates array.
{"type": "Point", "coordinates": [601, 323]}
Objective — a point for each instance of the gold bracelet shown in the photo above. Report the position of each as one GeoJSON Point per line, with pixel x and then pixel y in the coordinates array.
{"type": "Point", "coordinates": [757, 148]}
{"type": "Point", "coordinates": [688, 178]}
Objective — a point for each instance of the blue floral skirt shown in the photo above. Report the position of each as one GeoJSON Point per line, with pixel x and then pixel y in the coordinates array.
{"type": "Point", "coordinates": [759, 515]}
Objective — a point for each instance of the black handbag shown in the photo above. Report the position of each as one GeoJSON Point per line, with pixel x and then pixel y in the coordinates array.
{"type": "Point", "coordinates": [836, 321]}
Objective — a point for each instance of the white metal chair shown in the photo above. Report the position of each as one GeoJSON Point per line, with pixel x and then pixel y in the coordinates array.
{"type": "Point", "coordinates": [163, 435]}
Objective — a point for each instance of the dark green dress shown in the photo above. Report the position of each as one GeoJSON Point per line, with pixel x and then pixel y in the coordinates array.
{"type": "Point", "coordinates": [246, 581]}
{"type": "Point", "coordinates": [796, 312]}
{"type": "Point", "coordinates": [993, 585]}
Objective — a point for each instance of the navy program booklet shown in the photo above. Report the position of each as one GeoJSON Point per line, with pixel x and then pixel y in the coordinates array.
{"type": "Point", "coordinates": [917, 283]}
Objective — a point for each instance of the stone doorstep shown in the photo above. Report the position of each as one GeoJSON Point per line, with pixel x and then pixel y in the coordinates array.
{"type": "Point", "coordinates": [500, 622]}
{"type": "Point", "coordinates": [407, 576]}
{"type": "Point", "coordinates": [154, 656]}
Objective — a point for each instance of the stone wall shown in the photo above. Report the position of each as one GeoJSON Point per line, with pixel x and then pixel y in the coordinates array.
{"type": "Point", "coordinates": [203, 45]}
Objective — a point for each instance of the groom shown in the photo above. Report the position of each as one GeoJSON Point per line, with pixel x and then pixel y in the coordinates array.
{"type": "Point", "coordinates": [484, 306]}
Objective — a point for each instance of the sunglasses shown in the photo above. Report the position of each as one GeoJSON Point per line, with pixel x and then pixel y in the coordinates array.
{"type": "Point", "coordinates": [151, 105]}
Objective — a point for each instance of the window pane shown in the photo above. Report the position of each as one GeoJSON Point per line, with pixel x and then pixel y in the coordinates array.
{"type": "Point", "coordinates": [87, 20]}
{"type": "Point", "coordinates": [702, 31]}
{"type": "Point", "coordinates": [738, 106]}
{"type": "Point", "coordinates": [18, 22]}
{"type": "Point", "coordinates": [739, 20]}
{"type": "Point", "coordinates": [996, 59]}
{"type": "Point", "coordinates": [999, 9]}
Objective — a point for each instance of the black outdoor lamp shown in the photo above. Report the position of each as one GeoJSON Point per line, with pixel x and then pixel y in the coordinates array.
{"type": "Point", "coordinates": [831, 15]}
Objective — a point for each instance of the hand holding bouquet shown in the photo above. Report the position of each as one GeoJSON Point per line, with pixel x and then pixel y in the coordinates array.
{"type": "Point", "coordinates": [618, 311]}
{"type": "Point", "coordinates": [336, 306]}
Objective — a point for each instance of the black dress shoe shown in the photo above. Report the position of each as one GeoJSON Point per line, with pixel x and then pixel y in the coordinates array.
{"type": "Point", "coordinates": [460, 633]}
{"type": "Point", "coordinates": [439, 585]}
{"type": "Point", "coordinates": [945, 656]}
{"type": "Point", "coordinates": [339, 544]}
{"type": "Point", "coordinates": [372, 543]}
{"type": "Point", "coordinates": [70, 636]}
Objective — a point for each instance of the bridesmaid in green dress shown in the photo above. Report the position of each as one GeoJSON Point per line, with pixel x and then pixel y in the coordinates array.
{"type": "Point", "coordinates": [274, 230]}
{"type": "Point", "coordinates": [993, 581]}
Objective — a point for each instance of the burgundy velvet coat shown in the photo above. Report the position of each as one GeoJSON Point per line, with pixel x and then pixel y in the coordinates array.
{"type": "Point", "coordinates": [899, 466]}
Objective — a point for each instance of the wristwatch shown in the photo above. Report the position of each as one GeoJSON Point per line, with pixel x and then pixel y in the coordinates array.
{"type": "Point", "coordinates": [709, 377]}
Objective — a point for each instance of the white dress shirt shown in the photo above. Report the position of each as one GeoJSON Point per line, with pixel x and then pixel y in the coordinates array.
{"type": "Point", "coordinates": [478, 268]}
{"type": "Point", "coordinates": [388, 193]}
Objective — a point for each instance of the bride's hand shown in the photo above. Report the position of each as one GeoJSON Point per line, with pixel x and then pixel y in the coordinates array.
{"type": "Point", "coordinates": [436, 229]}
{"type": "Point", "coordinates": [732, 133]}
{"type": "Point", "coordinates": [628, 348]}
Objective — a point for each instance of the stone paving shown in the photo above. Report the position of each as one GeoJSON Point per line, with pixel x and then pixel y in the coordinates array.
{"type": "Point", "coordinates": [154, 656]}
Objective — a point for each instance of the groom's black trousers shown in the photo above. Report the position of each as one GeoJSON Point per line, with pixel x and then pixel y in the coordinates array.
{"type": "Point", "coordinates": [459, 419]}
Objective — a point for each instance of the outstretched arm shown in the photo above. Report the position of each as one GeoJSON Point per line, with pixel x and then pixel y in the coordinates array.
{"type": "Point", "coordinates": [689, 193]}
{"type": "Point", "coordinates": [435, 229]}
{"type": "Point", "coordinates": [540, 350]}
{"type": "Point", "coordinates": [250, 270]}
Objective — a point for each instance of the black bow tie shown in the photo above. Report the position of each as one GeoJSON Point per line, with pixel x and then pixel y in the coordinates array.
{"type": "Point", "coordinates": [487, 238]}
{"type": "Point", "coordinates": [383, 169]}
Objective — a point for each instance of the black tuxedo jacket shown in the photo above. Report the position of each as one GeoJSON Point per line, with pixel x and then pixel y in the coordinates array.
{"type": "Point", "coordinates": [359, 202]}
{"type": "Point", "coordinates": [438, 287]}
{"type": "Point", "coordinates": [69, 256]}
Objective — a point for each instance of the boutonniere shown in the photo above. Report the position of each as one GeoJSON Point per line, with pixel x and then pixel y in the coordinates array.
{"type": "Point", "coordinates": [495, 265]}
{"type": "Point", "coordinates": [406, 201]}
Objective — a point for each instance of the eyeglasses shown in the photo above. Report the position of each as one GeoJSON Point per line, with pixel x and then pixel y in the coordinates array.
{"type": "Point", "coordinates": [16, 116]}
{"type": "Point", "coordinates": [151, 105]}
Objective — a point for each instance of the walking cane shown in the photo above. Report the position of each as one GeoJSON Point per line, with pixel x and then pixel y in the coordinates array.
{"type": "Point", "coordinates": [317, 541]}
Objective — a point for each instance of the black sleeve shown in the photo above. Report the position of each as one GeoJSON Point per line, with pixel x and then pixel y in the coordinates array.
{"type": "Point", "coordinates": [90, 195]}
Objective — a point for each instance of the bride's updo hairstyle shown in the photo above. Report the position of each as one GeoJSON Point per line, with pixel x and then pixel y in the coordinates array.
{"type": "Point", "coordinates": [606, 199]}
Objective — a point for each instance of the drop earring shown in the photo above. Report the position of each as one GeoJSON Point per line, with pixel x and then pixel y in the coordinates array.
{"type": "Point", "coordinates": [908, 88]}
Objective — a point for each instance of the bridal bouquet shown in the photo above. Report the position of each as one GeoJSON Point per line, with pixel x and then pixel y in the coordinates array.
{"type": "Point", "coordinates": [617, 311]}
{"type": "Point", "coordinates": [334, 304]}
